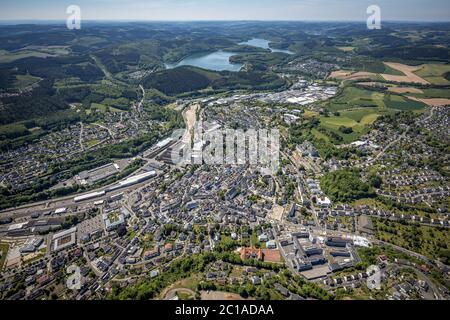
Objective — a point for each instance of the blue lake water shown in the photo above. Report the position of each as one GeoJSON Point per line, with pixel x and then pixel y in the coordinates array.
{"type": "Point", "coordinates": [220, 60]}
{"type": "Point", "coordinates": [263, 43]}
{"type": "Point", "coordinates": [217, 61]}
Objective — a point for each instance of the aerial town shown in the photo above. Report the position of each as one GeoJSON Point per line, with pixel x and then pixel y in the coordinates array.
{"type": "Point", "coordinates": [124, 194]}
{"type": "Point", "coordinates": [165, 212]}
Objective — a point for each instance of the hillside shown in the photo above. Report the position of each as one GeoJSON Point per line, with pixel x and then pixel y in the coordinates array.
{"type": "Point", "coordinates": [187, 79]}
{"type": "Point", "coordinates": [179, 80]}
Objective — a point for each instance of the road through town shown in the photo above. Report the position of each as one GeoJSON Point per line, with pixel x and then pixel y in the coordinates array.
{"type": "Point", "coordinates": [68, 201]}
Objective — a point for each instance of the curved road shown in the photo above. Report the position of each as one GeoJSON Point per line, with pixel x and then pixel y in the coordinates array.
{"type": "Point", "coordinates": [171, 293]}
{"type": "Point", "coordinates": [423, 276]}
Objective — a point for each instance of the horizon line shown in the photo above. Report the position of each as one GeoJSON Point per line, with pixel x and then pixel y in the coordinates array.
{"type": "Point", "coordinates": [222, 20]}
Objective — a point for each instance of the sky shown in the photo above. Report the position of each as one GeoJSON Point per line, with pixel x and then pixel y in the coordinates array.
{"type": "Point", "coordinates": [353, 10]}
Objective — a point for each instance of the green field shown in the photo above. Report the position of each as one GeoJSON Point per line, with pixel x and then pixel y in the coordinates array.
{"type": "Point", "coordinates": [103, 108]}
{"type": "Point", "coordinates": [98, 106]}
{"type": "Point", "coordinates": [346, 49]}
{"type": "Point", "coordinates": [88, 41]}
{"type": "Point", "coordinates": [433, 93]}
{"type": "Point", "coordinates": [119, 103]}
{"type": "Point", "coordinates": [364, 116]}
{"type": "Point", "coordinates": [91, 143]}
{"type": "Point", "coordinates": [394, 72]}
{"type": "Point", "coordinates": [338, 121]}
{"type": "Point", "coordinates": [319, 135]}
{"type": "Point", "coordinates": [352, 97]}
{"type": "Point", "coordinates": [359, 119]}
{"type": "Point", "coordinates": [434, 73]}
{"type": "Point", "coordinates": [38, 52]}
{"type": "Point", "coordinates": [13, 130]}
{"type": "Point", "coordinates": [334, 123]}
{"type": "Point", "coordinates": [107, 89]}
{"type": "Point", "coordinates": [359, 98]}
{"type": "Point", "coordinates": [23, 81]}
{"type": "Point", "coordinates": [369, 119]}
{"type": "Point", "coordinates": [6, 57]}
{"type": "Point", "coordinates": [355, 98]}
{"type": "Point", "coordinates": [402, 103]}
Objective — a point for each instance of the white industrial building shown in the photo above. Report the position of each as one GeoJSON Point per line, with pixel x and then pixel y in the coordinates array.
{"type": "Point", "coordinates": [64, 239]}
{"type": "Point", "coordinates": [60, 210]}
{"type": "Point", "coordinates": [133, 180]}
{"type": "Point", "coordinates": [89, 196]}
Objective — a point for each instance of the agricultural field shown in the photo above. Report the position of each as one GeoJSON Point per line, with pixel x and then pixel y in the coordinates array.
{"type": "Point", "coordinates": [310, 114]}
{"type": "Point", "coordinates": [121, 102]}
{"type": "Point", "coordinates": [400, 73]}
{"type": "Point", "coordinates": [346, 49]}
{"type": "Point", "coordinates": [348, 137]}
{"type": "Point", "coordinates": [388, 71]}
{"type": "Point", "coordinates": [434, 73]}
{"type": "Point", "coordinates": [358, 120]}
{"type": "Point", "coordinates": [352, 97]}
{"type": "Point", "coordinates": [7, 57]}
{"type": "Point", "coordinates": [426, 96]}
{"type": "Point", "coordinates": [434, 93]}
{"type": "Point", "coordinates": [339, 121]}
{"type": "Point", "coordinates": [36, 51]}
{"type": "Point", "coordinates": [24, 81]}
{"type": "Point", "coordinates": [98, 106]}
{"type": "Point", "coordinates": [433, 102]}
{"type": "Point", "coordinates": [401, 90]}
{"type": "Point", "coordinates": [103, 108]}
{"type": "Point", "coordinates": [357, 108]}
{"type": "Point", "coordinates": [402, 103]}
{"type": "Point", "coordinates": [392, 71]}
{"type": "Point", "coordinates": [408, 73]}
{"type": "Point", "coordinates": [365, 116]}
{"type": "Point", "coordinates": [349, 75]}
{"type": "Point", "coordinates": [319, 135]}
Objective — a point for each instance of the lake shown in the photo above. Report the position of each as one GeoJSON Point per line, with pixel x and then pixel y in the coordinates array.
{"type": "Point", "coordinates": [220, 60]}
{"type": "Point", "coordinates": [263, 43]}
{"type": "Point", "coordinates": [217, 61]}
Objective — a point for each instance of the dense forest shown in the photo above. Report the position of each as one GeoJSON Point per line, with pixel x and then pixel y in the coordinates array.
{"type": "Point", "coordinates": [345, 185]}
{"type": "Point", "coordinates": [38, 103]}
{"type": "Point", "coordinates": [188, 79]}
{"type": "Point", "coordinates": [7, 77]}
{"type": "Point", "coordinates": [179, 80]}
